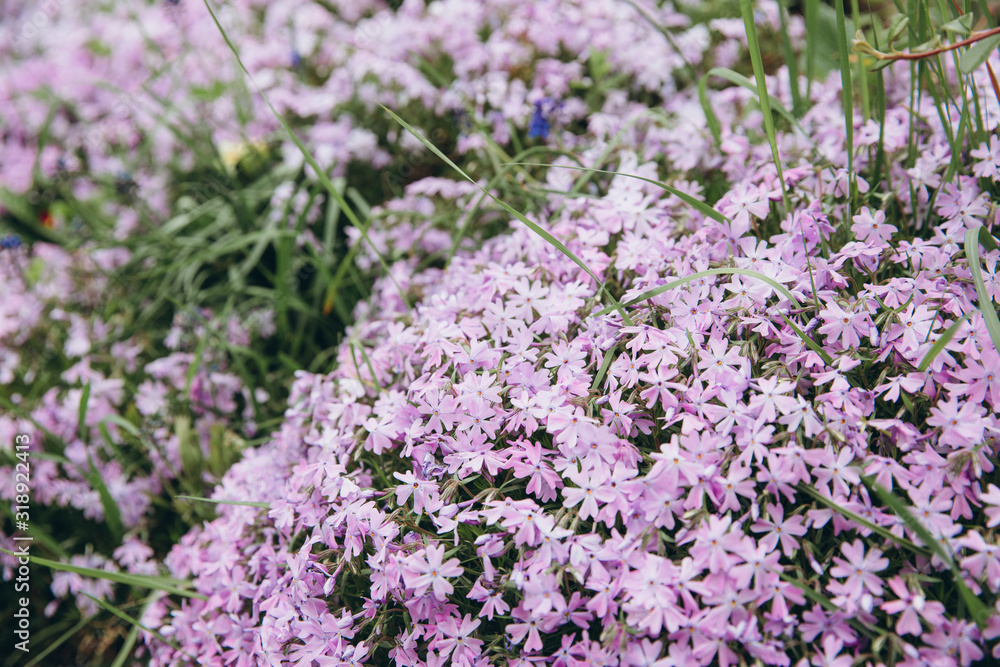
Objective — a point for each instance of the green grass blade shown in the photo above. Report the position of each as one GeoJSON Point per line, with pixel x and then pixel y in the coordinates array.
{"type": "Point", "coordinates": [243, 503]}
{"type": "Point", "coordinates": [553, 241]}
{"type": "Point", "coordinates": [790, 60]}
{"type": "Point", "coordinates": [810, 343]}
{"type": "Point", "coordinates": [940, 344]}
{"type": "Point", "coordinates": [746, 8]}
{"type": "Point", "coordinates": [505, 169]}
{"type": "Point", "coordinates": [776, 105]}
{"type": "Point", "coordinates": [112, 515]}
{"type": "Point", "coordinates": [649, 294]}
{"type": "Point", "coordinates": [847, 96]}
{"type": "Point", "coordinates": [710, 118]}
{"type": "Point", "coordinates": [63, 638]}
{"type": "Point", "coordinates": [697, 204]}
{"type": "Point", "coordinates": [82, 414]}
{"type": "Point", "coordinates": [137, 625]}
{"type": "Point", "coordinates": [321, 174]}
{"type": "Point", "coordinates": [825, 602]}
{"type": "Point", "coordinates": [980, 613]}
{"type": "Point", "coordinates": [165, 584]}
{"type": "Point", "coordinates": [973, 238]}
{"type": "Point", "coordinates": [609, 356]}
{"type": "Point", "coordinates": [812, 39]}
{"type": "Point", "coordinates": [123, 424]}
{"type": "Point", "coordinates": [881, 531]}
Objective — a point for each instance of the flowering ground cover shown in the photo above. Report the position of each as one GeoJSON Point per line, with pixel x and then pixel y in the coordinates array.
{"type": "Point", "coordinates": [503, 333]}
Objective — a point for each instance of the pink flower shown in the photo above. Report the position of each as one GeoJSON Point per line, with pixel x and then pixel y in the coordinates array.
{"type": "Point", "coordinates": [913, 606]}
{"type": "Point", "coordinates": [860, 568]}
{"type": "Point", "coordinates": [779, 530]}
{"type": "Point", "coordinates": [845, 326]}
{"type": "Point", "coordinates": [961, 422]}
{"type": "Point", "coordinates": [528, 627]}
{"type": "Point", "coordinates": [992, 498]}
{"type": "Point", "coordinates": [457, 638]}
{"type": "Point", "coordinates": [425, 569]}
{"type": "Point", "coordinates": [871, 228]}
{"type": "Point", "coordinates": [831, 656]}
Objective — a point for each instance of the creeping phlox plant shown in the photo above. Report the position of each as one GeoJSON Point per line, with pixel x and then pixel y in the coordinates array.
{"type": "Point", "coordinates": [697, 409]}
{"type": "Point", "coordinates": [788, 459]}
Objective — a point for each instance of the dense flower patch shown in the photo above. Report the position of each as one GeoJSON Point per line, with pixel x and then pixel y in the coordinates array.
{"type": "Point", "coordinates": [507, 467]}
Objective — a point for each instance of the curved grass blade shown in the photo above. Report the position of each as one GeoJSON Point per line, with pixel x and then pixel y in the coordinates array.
{"type": "Point", "coordinates": [847, 96]}
{"type": "Point", "coordinates": [553, 241]}
{"type": "Point", "coordinates": [978, 610]}
{"type": "Point", "coordinates": [740, 80]}
{"type": "Point", "coordinates": [881, 531]}
{"type": "Point", "coordinates": [505, 169]}
{"type": "Point", "coordinates": [940, 344]}
{"type": "Point", "coordinates": [746, 8]}
{"type": "Point", "coordinates": [63, 638]}
{"type": "Point", "coordinates": [697, 204]}
{"type": "Point", "coordinates": [973, 238]}
{"type": "Point", "coordinates": [649, 294]}
{"type": "Point", "coordinates": [321, 174]}
{"type": "Point", "coordinates": [810, 343]}
{"type": "Point", "coordinates": [165, 584]}
{"type": "Point", "coordinates": [242, 503]}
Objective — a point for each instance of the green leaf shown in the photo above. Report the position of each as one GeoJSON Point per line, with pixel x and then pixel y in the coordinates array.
{"type": "Point", "coordinates": [136, 624]}
{"type": "Point", "coordinates": [810, 343]}
{"type": "Point", "coordinates": [649, 294]}
{"type": "Point", "coordinates": [112, 516]}
{"type": "Point", "coordinates": [123, 424]}
{"type": "Point", "coordinates": [82, 414]}
{"type": "Point", "coordinates": [746, 8]}
{"type": "Point", "coordinates": [321, 175]}
{"type": "Point", "coordinates": [244, 503]}
{"type": "Point", "coordinates": [880, 64]}
{"type": "Point", "coordinates": [977, 54]}
{"type": "Point", "coordinates": [697, 204]}
{"type": "Point", "coordinates": [126, 651]}
{"type": "Point", "coordinates": [881, 531]}
{"type": "Point", "coordinates": [898, 25]}
{"type": "Point", "coordinates": [605, 365]}
{"type": "Point", "coordinates": [978, 610]}
{"type": "Point", "coordinates": [165, 584]}
{"type": "Point", "coordinates": [973, 238]}
{"type": "Point", "coordinates": [710, 119]}
{"type": "Point", "coordinates": [940, 343]}
{"type": "Point", "coordinates": [961, 25]}
{"type": "Point", "coordinates": [553, 241]}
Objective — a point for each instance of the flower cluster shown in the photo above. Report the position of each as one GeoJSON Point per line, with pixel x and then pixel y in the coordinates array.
{"type": "Point", "coordinates": [507, 465]}
{"type": "Point", "coordinates": [507, 469]}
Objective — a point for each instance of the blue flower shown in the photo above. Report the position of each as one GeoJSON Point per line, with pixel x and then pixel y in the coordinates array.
{"type": "Point", "coordinates": [296, 59]}
{"type": "Point", "coordinates": [10, 242]}
{"type": "Point", "coordinates": [539, 126]}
